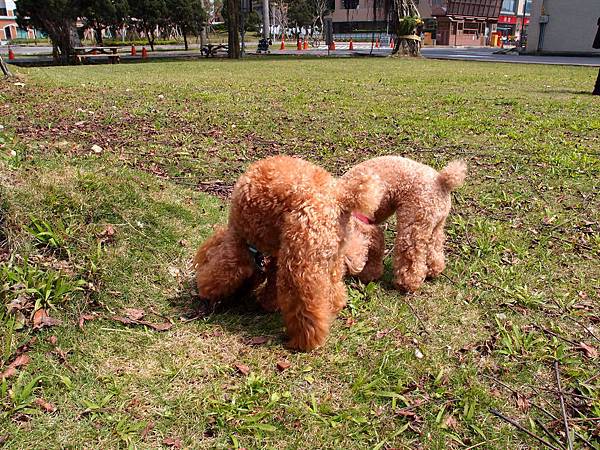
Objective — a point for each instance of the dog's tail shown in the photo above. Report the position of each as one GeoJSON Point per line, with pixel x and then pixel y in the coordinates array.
{"type": "Point", "coordinates": [453, 175]}
{"type": "Point", "coordinates": [361, 192]}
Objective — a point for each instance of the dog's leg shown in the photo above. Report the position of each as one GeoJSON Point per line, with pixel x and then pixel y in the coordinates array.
{"type": "Point", "coordinates": [304, 296]}
{"type": "Point", "coordinates": [435, 259]}
{"type": "Point", "coordinates": [410, 255]}
{"type": "Point", "coordinates": [338, 288]}
{"type": "Point", "coordinates": [373, 269]}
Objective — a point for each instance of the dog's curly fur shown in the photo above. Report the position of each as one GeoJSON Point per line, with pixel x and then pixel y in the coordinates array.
{"type": "Point", "coordinates": [297, 214]}
{"type": "Point", "coordinates": [420, 197]}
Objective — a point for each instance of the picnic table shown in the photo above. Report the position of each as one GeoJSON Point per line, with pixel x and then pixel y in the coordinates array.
{"type": "Point", "coordinates": [83, 53]}
{"type": "Point", "coordinates": [212, 49]}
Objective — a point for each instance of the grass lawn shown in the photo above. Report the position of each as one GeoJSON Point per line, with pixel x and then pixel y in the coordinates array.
{"type": "Point", "coordinates": [110, 176]}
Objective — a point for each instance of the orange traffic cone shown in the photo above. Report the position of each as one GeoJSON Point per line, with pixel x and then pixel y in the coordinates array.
{"type": "Point", "coordinates": [298, 44]}
{"type": "Point", "coordinates": [144, 53]}
{"type": "Point", "coordinates": [351, 47]}
{"type": "Point", "coordinates": [392, 43]}
{"type": "Point", "coordinates": [332, 45]}
{"type": "Point", "coordinates": [305, 45]}
{"type": "Point", "coordinates": [133, 51]}
{"type": "Point", "coordinates": [282, 43]}
{"type": "Point", "coordinates": [377, 43]}
{"type": "Point", "coordinates": [11, 54]}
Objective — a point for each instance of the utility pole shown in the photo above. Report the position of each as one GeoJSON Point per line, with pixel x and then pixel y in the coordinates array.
{"type": "Point", "coordinates": [265, 20]}
{"type": "Point", "coordinates": [522, 47]}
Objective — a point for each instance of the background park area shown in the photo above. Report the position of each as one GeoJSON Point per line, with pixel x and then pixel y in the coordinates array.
{"type": "Point", "coordinates": [112, 175]}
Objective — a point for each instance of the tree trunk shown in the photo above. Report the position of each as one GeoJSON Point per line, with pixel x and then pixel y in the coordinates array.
{"type": "Point", "coordinates": [203, 37]}
{"type": "Point", "coordinates": [4, 68]}
{"type": "Point", "coordinates": [151, 38]}
{"type": "Point", "coordinates": [265, 20]}
{"type": "Point", "coordinates": [185, 41]}
{"type": "Point", "coordinates": [596, 90]}
{"type": "Point", "coordinates": [98, 30]}
{"type": "Point", "coordinates": [233, 39]}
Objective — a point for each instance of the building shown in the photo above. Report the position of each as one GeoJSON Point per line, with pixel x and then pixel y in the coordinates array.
{"type": "Point", "coordinates": [563, 27]}
{"type": "Point", "coordinates": [465, 22]}
{"type": "Point", "coordinates": [514, 17]}
{"type": "Point", "coordinates": [8, 23]}
{"type": "Point", "coordinates": [354, 16]}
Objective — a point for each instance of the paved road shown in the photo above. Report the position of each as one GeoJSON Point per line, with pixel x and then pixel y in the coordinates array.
{"type": "Point", "coordinates": [27, 54]}
{"type": "Point", "coordinates": [488, 54]}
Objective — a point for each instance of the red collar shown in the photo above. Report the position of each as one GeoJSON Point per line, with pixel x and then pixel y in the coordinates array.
{"type": "Point", "coordinates": [363, 218]}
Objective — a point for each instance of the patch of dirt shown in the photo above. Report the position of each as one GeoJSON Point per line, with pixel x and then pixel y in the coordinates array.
{"type": "Point", "coordinates": [217, 188]}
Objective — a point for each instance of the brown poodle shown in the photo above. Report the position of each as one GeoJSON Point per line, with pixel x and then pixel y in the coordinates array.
{"type": "Point", "coordinates": [295, 214]}
{"type": "Point", "coordinates": [420, 197]}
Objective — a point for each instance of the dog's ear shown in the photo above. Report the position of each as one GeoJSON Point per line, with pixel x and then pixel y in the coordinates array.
{"type": "Point", "coordinates": [360, 192]}
{"type": "Point", "coordinates": [356, 247]}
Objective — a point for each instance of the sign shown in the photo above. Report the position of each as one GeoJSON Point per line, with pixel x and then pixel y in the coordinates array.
{"type": "Point", "coordinates": [512, 20]}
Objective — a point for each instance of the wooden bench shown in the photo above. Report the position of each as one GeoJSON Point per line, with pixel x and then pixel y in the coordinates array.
{"type": "Point", "coordinates": [209, 50]}
{"type": "Point", "coordinates": [83, 53]}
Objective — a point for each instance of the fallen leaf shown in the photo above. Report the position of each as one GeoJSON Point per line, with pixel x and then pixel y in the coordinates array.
{"type": "Point", "coordinates": [147, 429]}
{"type": "Point", "coordinates": [259, 340]}
{"type": "Point", "coordinates": [157, 326]}
{"type": "Point", "coordinates": [96, 149]}
{"type": "Point", "coordinates": [108, 233]}
{"type": "Point", "coordinates": [418, 353]}
{"type": "Point", "coordinates": [124, 320]}
{"type": "Point", "coordinates": [172, 442]}
{"type": "Point", "coordinates": [590, 352]}
{"type": "Point", "coordinates": [406, 412]}
{"type": "Point", "coordinates": [134, 314]}
{"type": "Point", "coordinates": [283, 364]}
{"type": "Point", "coordinates": [85, 317]}
{"type": "Point", "coordinates": [11, 370]}
{"type": "Point", "coordinates": [53, 340]}
{"type": "Point", "coordinates": [523, 403]}
{"type": "Point", "coordinates": [24, 348]}
{"type": "Point", "coordinates": [451, 422]}
{"type": "Point", "coordinates": [20, 303]}
{"type": "Point", "coordinates": [48, 407]}
{"type": "Point", "coordinates": [242, 368]}
{"type": "Point", "coordinates": [42, 319]}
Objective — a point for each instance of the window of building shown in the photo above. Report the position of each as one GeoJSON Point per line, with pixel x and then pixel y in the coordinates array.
{"type": "Point", "coordinates": [350, 4]}
{"type": "Point", "coordinates": [509, 6]}
{"type": "Point", "coordinates": [3, 12]}
{"type": "Point", "coordinates": [528, 6]}
{"type": "Point", "coordinates": [471, 28]}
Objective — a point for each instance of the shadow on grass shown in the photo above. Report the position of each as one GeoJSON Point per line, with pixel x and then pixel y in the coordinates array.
{"type": "Point", "coordinates": [239, 314]}
{"type": "Point", "coordinates": [566, 91]}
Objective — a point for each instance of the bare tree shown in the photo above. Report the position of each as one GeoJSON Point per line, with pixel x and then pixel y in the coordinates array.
{"type": "Point", "coordinates": [279, 10]}
{"type": "Point", "coordinates": [320, 10]}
